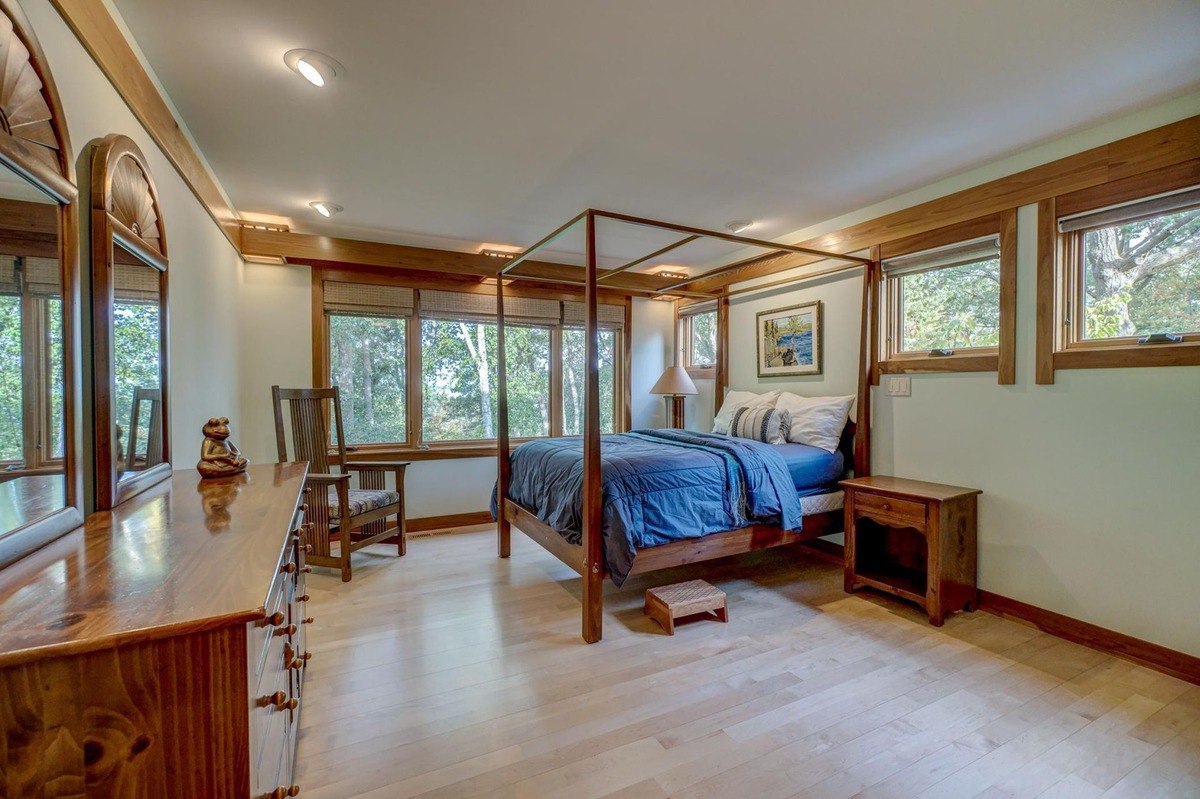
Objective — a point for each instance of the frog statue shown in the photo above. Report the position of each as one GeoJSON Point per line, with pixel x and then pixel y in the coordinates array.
{"type": "Point", "coordinates": [218, 456]}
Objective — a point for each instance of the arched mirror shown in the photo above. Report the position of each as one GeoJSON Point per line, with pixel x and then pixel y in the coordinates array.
{"type": "Point", "coordinates": [40, 478]}
{"type": "Point", "coordinates": [129, 324]}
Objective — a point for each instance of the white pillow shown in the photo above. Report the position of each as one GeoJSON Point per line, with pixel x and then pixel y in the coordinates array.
{"type": "Point", "coordinates": [739, 399]}
{"type": "Point", "coordinates": [816, 421]}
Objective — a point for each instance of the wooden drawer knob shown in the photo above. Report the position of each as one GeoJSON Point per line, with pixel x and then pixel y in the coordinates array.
{"type": "Point", "coordinates": [309, 620]}
{"type": "Point", "coordinates": [289, 630]}
{"type": "Point", "coordinates": [302, 598]}
{"type": "Point", "coordinates": [278, 699]}
{"type": "Point", "coordinates": [288, 568]}
{"type": "Point", "coordinates": [308, 549]}
{"type": "Point", "coordinates": [283, 793]}
{"type": "Point", "coordinates": [303, 507]}
{"type": "Point", "coordinates": [296, 663]}
{"type": "Point", "coordinates": [306, 656]}
{"type": "Point", "coordinates": [887, 506]}
{"type": "Point", "coordinates": [277, 618]}
{"type": "Point", "coordinates": [305, 570]}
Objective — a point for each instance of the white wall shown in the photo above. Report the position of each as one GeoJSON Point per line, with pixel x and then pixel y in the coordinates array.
{"type": "Point", "coordinates": [206, 271]}
{"type": "Point", "coordinates": [1089, 506]}
{"type": "Point", "coordinates": [653, 340]}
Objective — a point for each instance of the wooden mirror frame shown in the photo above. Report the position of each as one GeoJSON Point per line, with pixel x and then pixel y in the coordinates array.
{"type": "Point", "coordinates": [125, 211]}
{"type": "Point", "coordinates": [35, 145]}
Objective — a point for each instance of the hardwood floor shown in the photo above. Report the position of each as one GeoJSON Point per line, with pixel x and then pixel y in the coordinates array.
{"type": "Point", "coordinates": [471, 680]}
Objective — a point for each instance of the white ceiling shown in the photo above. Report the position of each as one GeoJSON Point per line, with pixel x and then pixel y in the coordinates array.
{"type": "Point", "coordinates": [467, 121]}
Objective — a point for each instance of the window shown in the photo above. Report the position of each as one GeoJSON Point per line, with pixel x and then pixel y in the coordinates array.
{"type": "Point", "coordinates": [31, 365]}
{"type": "Point", "coordinates": [698, 338]}
{"type": "Point", "coordinates": [945, 302]}
{"type": "Point", "coordinates": [1139, 277]}
{"type": "Point", "coordinates": [12, 444]}
{"type": "Point", "coordinates": [573, 388]}
{"type": "Point", "coordinates": [458, 365]}
{"type": "Point", "coordinates": [375, 334]}
{"type": "Point", "coordinates": [952, 305]}
{"type": "Point", "coordinates": [368, 362]}
{"type": "Point", "coordinates": [1126, 277]}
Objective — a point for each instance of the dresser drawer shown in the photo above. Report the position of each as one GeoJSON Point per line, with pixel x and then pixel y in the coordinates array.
{"type": "Point", "coordinates": [890, 510]}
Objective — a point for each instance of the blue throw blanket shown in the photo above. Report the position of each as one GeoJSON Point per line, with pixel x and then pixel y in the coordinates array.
{"type": "Point", "coordinates": [657, 486]}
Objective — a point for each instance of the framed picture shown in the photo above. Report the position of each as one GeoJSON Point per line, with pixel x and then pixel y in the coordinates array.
{"type": "Point", "coordinates": [789, 341]}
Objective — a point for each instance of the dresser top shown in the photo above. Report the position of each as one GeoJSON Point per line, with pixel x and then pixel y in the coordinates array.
{"type": "Point", "coordinates": [186, 554]}
{"type": "Point", "coordinates": [905, 488]}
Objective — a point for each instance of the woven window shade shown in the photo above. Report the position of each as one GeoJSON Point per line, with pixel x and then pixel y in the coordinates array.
{"type": "Point", "coordinates": [9, 281]}
{"type": "Point", "coordinates": [43, 277]}
{"type": "Point", "coordinates": [135, 283]}
{"type": "Point", "coordinates": [708, 306]}
{"type": "Point", "coordinates": [1132, 212]}
{"type": "Point", "coordinates": [465, 305]}
{"type": "Point", "coordinates": [369, 300]}
{"type": "Point", "coordinates": [611, 316]}
{"type": "Point", "coordinates": [960, 254]}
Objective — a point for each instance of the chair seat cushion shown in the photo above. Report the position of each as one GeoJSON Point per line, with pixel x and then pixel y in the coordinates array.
{"type": "Point", "coordinates": [361, 501]}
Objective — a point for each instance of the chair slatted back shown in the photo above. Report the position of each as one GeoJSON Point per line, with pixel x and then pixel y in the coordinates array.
{"type": "Point", "coordinates": [309, 413]}
{"type": "Point", "coordinates": [154, 432]}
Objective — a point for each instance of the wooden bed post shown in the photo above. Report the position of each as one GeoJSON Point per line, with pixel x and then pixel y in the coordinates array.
{"type": "Point", "coordinates": [593, 545]}
{"type": "Point", "coordinates": [866, 368]}
{"type": "Point", "coordinates": [503, 525]}
{"type": "Point", "coordinates": [722, 354]}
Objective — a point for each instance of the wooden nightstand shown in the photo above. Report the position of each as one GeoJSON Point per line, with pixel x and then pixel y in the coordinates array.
{"type": "Point", "coordinates": [914, 540]}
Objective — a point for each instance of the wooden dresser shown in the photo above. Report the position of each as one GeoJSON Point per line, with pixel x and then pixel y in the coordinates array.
{"type": "Point", "coordinates": [158, 651]}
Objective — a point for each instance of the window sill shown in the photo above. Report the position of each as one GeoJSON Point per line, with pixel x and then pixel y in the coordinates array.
{"type": "Point", "coordinates": [434, 452]}
{"type": "Point", "coordinates": [702, 372]}
{"type": "Point", "coordinates": [1114, 356]}
{"type": "Point", "coordinates": [985, 361]}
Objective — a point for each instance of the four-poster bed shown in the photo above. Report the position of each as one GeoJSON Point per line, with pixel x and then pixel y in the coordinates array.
{"type": "Point", "coordinates": [587, 557]}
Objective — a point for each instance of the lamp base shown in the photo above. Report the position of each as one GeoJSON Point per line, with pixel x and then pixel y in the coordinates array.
{"type": "Point", "coordinates": [674, 411]}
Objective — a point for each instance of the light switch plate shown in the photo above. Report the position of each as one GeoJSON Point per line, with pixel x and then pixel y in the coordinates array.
{"type": "Point", "coordinates": [899, 386]}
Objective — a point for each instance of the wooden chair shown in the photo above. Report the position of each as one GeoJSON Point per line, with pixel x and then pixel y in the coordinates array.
{"type": "Point", "coordinates": [356, 516]}
{"type": "Point", "coordinates": [154, 432]}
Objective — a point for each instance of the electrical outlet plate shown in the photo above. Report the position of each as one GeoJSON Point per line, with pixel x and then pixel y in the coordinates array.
{"type": "Point", "coordinates": [899, 386]}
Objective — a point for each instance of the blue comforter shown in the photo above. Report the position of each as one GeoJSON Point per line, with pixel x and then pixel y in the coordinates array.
{"type": "Point", "coordinates": [657, 486]}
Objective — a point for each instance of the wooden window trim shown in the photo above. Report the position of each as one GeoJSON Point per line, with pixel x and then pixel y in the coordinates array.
{"type": "Point", "coordinates": [1060, 346]}
{"type": "Point", "coordinates": [1001, 359]}
{"type": "Point", "coordinates": [415, 449]}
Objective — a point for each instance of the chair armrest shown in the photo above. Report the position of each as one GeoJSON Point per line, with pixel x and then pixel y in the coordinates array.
{"type": "Point", "coordinates": [368, 465]}
{"type": "Point", "coordinates": [328, 479]}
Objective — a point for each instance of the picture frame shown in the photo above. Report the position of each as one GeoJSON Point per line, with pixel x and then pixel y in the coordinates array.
{"type": "Point", "coordinates": [790, 340]}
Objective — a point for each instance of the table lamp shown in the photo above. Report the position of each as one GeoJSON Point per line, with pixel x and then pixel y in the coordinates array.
{"type": "Point", "coordinates": [674, 385]}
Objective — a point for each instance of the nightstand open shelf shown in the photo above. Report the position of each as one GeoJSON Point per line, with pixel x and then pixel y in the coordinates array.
{"type": "Point", "coordinates": [914, 540]}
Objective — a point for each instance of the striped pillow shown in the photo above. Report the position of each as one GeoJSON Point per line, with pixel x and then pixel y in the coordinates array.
{"type": "Point", "coordinates": [769, 425]}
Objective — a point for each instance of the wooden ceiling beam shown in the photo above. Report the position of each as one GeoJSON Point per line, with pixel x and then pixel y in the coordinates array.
{"type": "Point", "coordinates": [303, 248]}
{"type": "Point", "coordinates": [1125, 158]}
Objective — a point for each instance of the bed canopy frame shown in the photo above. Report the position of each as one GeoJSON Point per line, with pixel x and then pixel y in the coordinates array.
{"type": "Point", "coordinates": [587, 558]}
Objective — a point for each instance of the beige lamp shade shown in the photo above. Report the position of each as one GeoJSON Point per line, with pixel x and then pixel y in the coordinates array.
{"type": "Point", "coordinates": [674, 382]}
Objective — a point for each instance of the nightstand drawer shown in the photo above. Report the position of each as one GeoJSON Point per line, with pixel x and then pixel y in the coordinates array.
{"type": "Point", "coordinates": [889, 510]}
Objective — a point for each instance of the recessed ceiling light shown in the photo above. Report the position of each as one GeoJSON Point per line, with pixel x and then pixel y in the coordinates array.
{"type": "Point", "coordinates": [506, 251]}
{"type": "Point", "coordinates": [326, 209]}
{"type": "Point", "coordinates": [316, 68]}
{"type": "Point", "coordinates": [738, 225]}
{"type": "Point", "coordinates": [672, 274]}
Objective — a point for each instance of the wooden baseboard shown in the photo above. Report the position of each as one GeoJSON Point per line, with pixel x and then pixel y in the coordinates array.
{"type": "Point", "coordinates": [427, 523]}
{"type": "Point", "coordinates": [1159, 658]}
